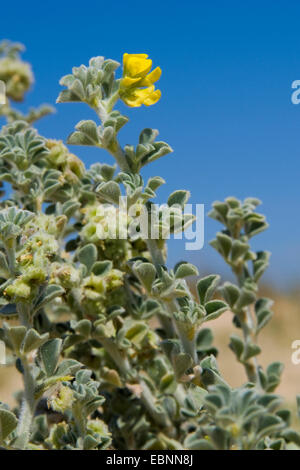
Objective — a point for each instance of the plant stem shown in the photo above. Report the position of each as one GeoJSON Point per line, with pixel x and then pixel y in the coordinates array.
{"type": "Point", "coordinates": [123, 365]}
{"type": "Point", "coordinates": [189, 345]}
{"type": "Point", "coordinates": [251, 366]}
{"type": "Point", "coordinates": [115, 150]}
{"type": "Point", "coordinates": [119, 359]}
{"type": "Point", "coordinates": [160, 417]}
{"type": "Point", "coordinates": [155, 252]}
{"type": "Point", "coordinates": [28, 407]}
{"type": "Point", "coordinates": [10, 247]}
{"type": "Point", "coordinates": [29, 403]}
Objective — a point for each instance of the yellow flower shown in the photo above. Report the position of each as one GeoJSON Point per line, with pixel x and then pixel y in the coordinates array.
{"type": "Point", "coordinates": [137, 85]}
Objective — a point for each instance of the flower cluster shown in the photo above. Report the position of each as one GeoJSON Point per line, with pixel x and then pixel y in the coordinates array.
{"type": "Point", "coordinates": [137, 85]}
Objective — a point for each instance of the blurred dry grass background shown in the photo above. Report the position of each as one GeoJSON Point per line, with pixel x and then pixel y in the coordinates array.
{"type": "Point", "coordinates": [275, 341]}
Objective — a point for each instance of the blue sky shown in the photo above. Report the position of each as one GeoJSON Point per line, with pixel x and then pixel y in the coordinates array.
{"type": "Point", "coordinates": [226, 99]}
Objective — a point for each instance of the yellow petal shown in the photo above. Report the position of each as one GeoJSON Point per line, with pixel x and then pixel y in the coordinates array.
{"type": "Point", "coordinates": [153, 98]}
{"type": "Point", "coordinates": [132, 103]}
{"type": "Point", "coordinates": [137, 66]}
{"type": "Point", "coordinates": [143, 93]}
{"type": "Point", "coordinates": [132, 99]}
{"type": "Point", "coordinates": [127, 82]}
{"type": "Point", "coordinates": [152, 77]}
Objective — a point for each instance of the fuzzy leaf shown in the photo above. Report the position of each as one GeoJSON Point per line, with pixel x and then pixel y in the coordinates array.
{"type": "Point", "coordinates": [16, 335]}
{"type": "Point", "coordinates": [110, 192]}
{"type": "Point", "coordinates": [214, 309]}
{"type": "Point", "coordinates": [8, 422]}
{"type": "Point", "coordinates": [231, 293]}
{"type": "Point", "coordinates": [224, 244]}
{"type": "Point", "coordinates": [179, 197]}
{"type": "Point", "coordinates": [146, 272]}
{"type": "Point", "coordinates": [51, 292]}
{"type": "Point", "coordinates": [33, 340]}
{"type": "Point", "coordinates": [49, 355]}
{"type": "Point", "coordinates": [86, 134]}
{"type": "Point", "coordinates": [102, 268]}
{"type": "Point", "coordinates": [206, 287]}
{"type": "Point", "coordinates": [181, 363]}
{"type": "Point", "coordinates": [88, 256]}
{"type": "Point", "coordinates": [185, 270]}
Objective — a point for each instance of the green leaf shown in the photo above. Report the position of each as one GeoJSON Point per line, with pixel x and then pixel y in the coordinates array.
{"type": "Point", "coordinates": [107, 171]}
{"type": "Point", "coordinates": [49, 355]}
{"type": "Point", "coordinates": [220, 437]}
{"type": "Point", "coordinates": [251, 350]}
{"type": "Point", "coordinates": [274, 372]}
{"type": "Point", "coordinates": [84, 328]}
{"type": "Point", "coordinates": [146, 273]}
{"type": "Point", "coordinates": [33, 340]}
{"type": "Point", "coordinates": [179, 197]}
{"type": "Point", "coordinates": [247, 297]}
{"type": "Point", "coordinates": [231, 293]}
{"type": "Point", "coordinates": [220, 211]}
{"type": "Point", "coordinates": [291, 436]}
{"type": "Point", "coordinates": [214, 309]}
{"type": "Point", "coordinates": [102, 268]}
{"type": "Point", "coordinates": [260, 264]}
{"type": "Point", "coordinates": [237, 346]}
{"type": "Point", "coordinates": [256, 227]}
{"type": "Point", "coordinates": [156, 151]}
{"type": "Point", "coordinates": [168, 383]}
{"type": "Point", "coordinates": [110, 192]}
{"type": "Point", "coordinates": [8, 422]}
{"type": "Point", "coordinates": [224, 244]}
{"type": "Point", "coordinates": [199, 444]}
{"type": "Point", "coordinates": [12, 220]}
{"type": "Point", "coordinates": [263, 312]}
{"type": "Point", "coordinates": [68, 367]}
{"type": "Point", "coordinates": [51, 292]}
{"type": "Point", "coordinates": [155, 182]}
{"type": "Point", "coordinates": [147, 136]}
{"type": "Point", "coordinates": [181, 362]}
{"type": "Point", "coordinates": [136, 332]}
{"type": "Point", "coordinates": [213, 401]}
{"type": "Point", "coordinates": [87, 134]}
{"type": "Point", "coordinates": [269, 424]}
{"type": "Point", "coordinates": [239, 249]}
{"type": "Point", "coordinates": [88, 256]}
{"type": "Point", "coordinates": [204, 339]}
{"type": "Point", "coordinates": [185, 270]}
{"type": "Point", "coordinates": [16, 335]}
{"type": "Point", "coordinates": [89, 443]}
{"type": "Point", "coordinates": [206, 287]}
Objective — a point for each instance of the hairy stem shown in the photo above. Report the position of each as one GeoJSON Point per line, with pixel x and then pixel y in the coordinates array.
{"type": "Point", "coordinates": [10, 247]}
{"type": "Point", "coordinates": [115, 149]}
{"type": "Point", "coordinates": [28, 407]}
{"type": "Point", "coordinates": [251, 366]}
{"type": "Point", "coordinates": [119, 359]}
{"type": "Point", "coordinates": [155, 252]}
{"type": "Point", "coordinates": [29, 402]}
